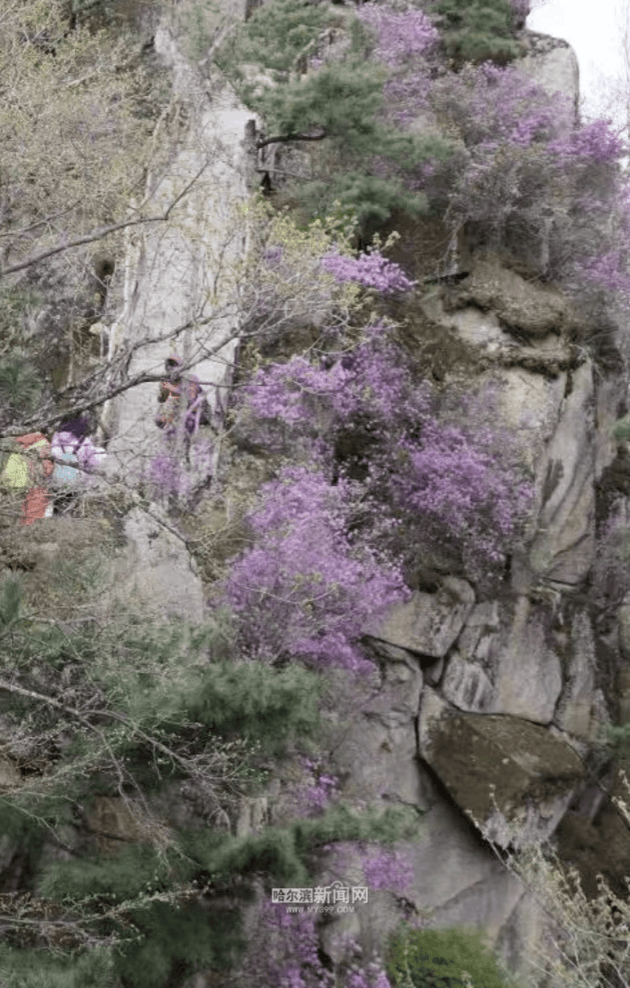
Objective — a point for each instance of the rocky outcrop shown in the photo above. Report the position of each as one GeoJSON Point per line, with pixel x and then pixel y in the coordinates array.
{"type": "Point", "coordinates": [520, 305]}
{"type": "Point", "coordinates": [428, 624]}
{"type": "Point", "coordinates": [564, 546]}
{"type": "Point", "coordinates": [172, 272]}
{"type": "Point", "coordinates": [376, 749]}
{"type": "Point", "coordinates": [513, 777]}
{"type": "Point", "coordinates": [527, 671]}
{"type": "Point", "coordinates": [552, 64]}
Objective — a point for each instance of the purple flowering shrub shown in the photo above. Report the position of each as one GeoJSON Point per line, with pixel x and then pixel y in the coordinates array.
{"type": "Point", "coordinates": [558, 184]}
{"type": "Point", "coordinates": [387, 869]}
{"type": "Point", "coordinates": [284, 953]}
{"type": "Point", "coordinates": [169, 475]}
{"type": "Point", "coordinates": [404, 42]}
{"type": "Point", "coordinates": [315, 792]}
{"type": "Point", "coordinates": [371, 270]}
{"type": "Point", "coordinates": [287, 951]}
{"type": "Point", "coordinates": [384, 868]}
{"type": "Point", "coordinates": [305, 591]}
{"type": "Point", "coordinates": [419, 476]}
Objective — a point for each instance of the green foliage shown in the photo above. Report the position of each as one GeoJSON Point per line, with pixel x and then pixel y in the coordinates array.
{"type": "Point", "coordinates": [179, 941]}
{"type": "Point", "coordinates": [621, 430]}
{"type": "Point", "coordinates": [20, 386]}
{"type": "Point", "coordinates": [618, 740]}
{"type": "Point", "coordinates": [478, 30]}
{"type": "Point", "coordinates": [279, 33]}
{"type": "Point", "coordinates": [19, 828]}
{"type": "Point", "coordinates": [133, 870]}
{"type": "Point", "coordinates": [34, 969]}
{"type": "Point", "coordinates": [339, 824]}
{"type": "Point", "coordinates": [254, 701]}
{"type": "Point", "coordinates": [369, 198]}
{"type": "Point", "coordinates": [285, 853]}
{"type": "Point", "coordinates": [11, 593]}
{"type": "Point", "coordinates": [340, 102]}
{"type": "Point", "coordinates": [442, 959]}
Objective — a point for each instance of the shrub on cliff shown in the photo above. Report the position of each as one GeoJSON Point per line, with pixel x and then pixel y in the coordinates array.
{"type": "Point", "coordinates": [478, 30]}
{"type": "Point", "coordinates": [337, 101]}
{"type": "Point", "coordinates": [123, 719]}
{"type": "Point", "coordinates": [369, 423]}
{"type": "Point", "coordinates": [448, 958]}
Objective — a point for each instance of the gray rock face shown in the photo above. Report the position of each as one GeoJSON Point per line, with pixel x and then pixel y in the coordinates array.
{"type": "Point", "coordinates": [527, 677]}
{"type": "Point", "coordinates": [378, 746]}
{"type": "Point", "coordinates": [476, 640]}
{"type": "Point", "coordinates": [554, 66]}
{"type": "Point", "coordinates": [172, 271]}
{"type": "Point", "coordinates": [563, 549]}
{"type": "Point", "coordinates": [575, 709]}
{"type": "Point", "coordinates": [623, 621]}
{"type": "Point", "coordinates": [461, 884]}
{"type": "Point", "coordinates": [428, 623]}
{"type": "Point", "coordinates": [155, 572]}
{"type": "Point", "coordinates": [512, 776]}
{"type": "Point", "coordinates": [466, 685]}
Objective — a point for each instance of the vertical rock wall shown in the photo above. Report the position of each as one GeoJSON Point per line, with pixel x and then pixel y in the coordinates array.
{"type": "Point", "coordinates": [179, 273]}
{"type": "Point", "coordinates": [484, 705]}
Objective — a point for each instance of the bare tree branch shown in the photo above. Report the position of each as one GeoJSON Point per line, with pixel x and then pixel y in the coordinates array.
{"type": "Point", "coordinates": [287, 138]}
{"type": "Point", "coordinates": [105, 231]}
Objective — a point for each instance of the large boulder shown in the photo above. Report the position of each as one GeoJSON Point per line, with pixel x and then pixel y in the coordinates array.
{"type": "Point", "coordinates": [428, 624]}
{"type": "Point", "coordinates": [521, 305]}
{"type": "Point", "coordinates": [513, 777]}
{"type": "Point", "coordinates": [553, 64]}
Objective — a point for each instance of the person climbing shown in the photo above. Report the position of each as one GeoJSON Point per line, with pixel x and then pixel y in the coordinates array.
{"type": "Point", "coordinates": [170, 394]}
{"type": "Point", "coordinates": [75, 455]}
{"type": "Point", "coordinates": [29, 469]}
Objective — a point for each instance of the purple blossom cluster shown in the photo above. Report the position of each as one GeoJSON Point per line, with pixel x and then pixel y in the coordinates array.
{"type": "Point", "coordinates": [494, 107]}
{"type": "Point", "coordinates": [404, 43]}
{"type": "Point", "coordinates": [593, 142]}
{"type": "Point", "coordinates": [609, 272]}
{"type": "Point", "coordinates": [462, 491]}
{"type": "Point", "coordinates": [285, 955]}
{"type": "Point", "coordinates": [384, 868]}
{"type": "Point", "coordinates": [416, 472]}
{"type": "Point", "coordinates": [372, 382]}
{"type": "Point", "coordinates": [559, 184]}
{"type": "Point", "coordinates": [372, 976]}
{"type": "Point", "coordinates": [289, 956]}
{"type": "Point", "coordinates": [315, 795]}
{"type": "Point", "coordinates": [304, 591]}
{"type": "Point", "coordinates": [165, 475]}
{"type": "Point", "coordinates": [168, 475]}
{"type": "Point", "coordinates": [400, 36]}
{"type": "Point", "coordinates": [369, 269]}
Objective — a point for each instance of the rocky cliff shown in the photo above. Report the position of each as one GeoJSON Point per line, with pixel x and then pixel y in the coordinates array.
{"type": "Point", "coordinates": [486, 706]}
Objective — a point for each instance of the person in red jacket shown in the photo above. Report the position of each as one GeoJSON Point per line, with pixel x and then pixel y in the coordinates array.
{"type": "Point", "coordinates": [171, 390]}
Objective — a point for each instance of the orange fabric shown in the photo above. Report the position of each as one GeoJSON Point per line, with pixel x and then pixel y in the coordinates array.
{"type": "Point", "coordinates": [30, 439]}
{"type": "Point", "coordinates": [37, 499]}
{"type": "Point", "coordinates": [36, 440]}
{"type": "Point", "coordinates": [34, 506]}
